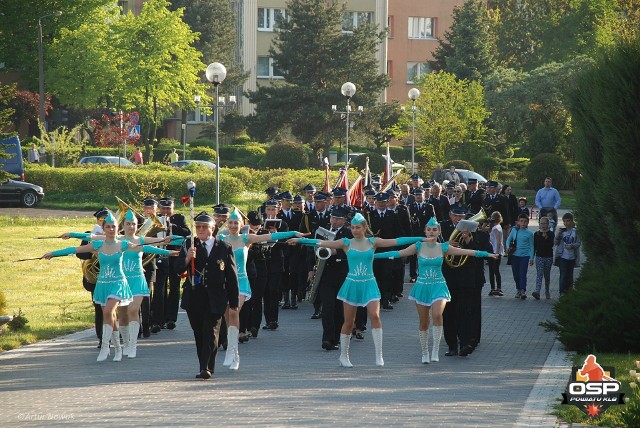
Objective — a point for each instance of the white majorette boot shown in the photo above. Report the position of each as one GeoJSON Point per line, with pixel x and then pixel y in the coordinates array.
{"type": "Point", "coordinates": [236, 359]}
{"type": "Point", "coordinates": [124, 332]}
{"type": "Point", "coordinates": [232, 344]}
{"type": "Point", "coordinates": [376, 333]}
{"type": "Point", "coordinates": [344, 350]}
{"type": "Point", "coordinates": [424, 343]}
{"type": "Point", "coordinates": [107, 331]}
{"type": "Point", "coordinates": [134, 329]}
{"type": "Point", "coordinates": [115, 339]}
{"type": "Point", "coordinates": [437, 335]}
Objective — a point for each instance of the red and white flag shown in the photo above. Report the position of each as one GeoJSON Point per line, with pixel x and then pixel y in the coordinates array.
{"type": "Point", "coordinates": [355, 195]}
{"type": "Point", "coordinates": [386, 175]}
{"type": "Point", "coordinates": [326, 175]}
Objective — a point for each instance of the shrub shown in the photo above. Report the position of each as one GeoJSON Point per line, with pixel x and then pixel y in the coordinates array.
{"type": "Point", "coordinates": [19, 321]}
{"type": "Point", "coordinates": [376, 162]}
{"type": "Point", "coordinates": [601, 314]}
{"type": "Point", "coordinates": [201, 142]}
{"type": "Point", "coordinates": [459, 164]}
{"type": "Point", "coordinates": [286, 154]}
{"type": "Point", "coordinates": [251, 150]}
{"type": "Point", "coordinates": [168, 143]}
{"type": "Point", "coordinates": [241, 140]}
{"type": "Point", "coordinates": [203, 153]}
{"type": "Point", "coordinates": [547, 165]}
{"type": "Point", "coordinates": [398, 154]}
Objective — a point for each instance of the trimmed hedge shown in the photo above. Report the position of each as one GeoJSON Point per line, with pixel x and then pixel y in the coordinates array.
{"type": "Point", "coordinates": [203, 153]}
{"type": "Point", "coordinates": [286, 154]}
{"type": "Point", "coordinates": [459, 164]}
{"type": "Point", "coordinates": [134, 183]}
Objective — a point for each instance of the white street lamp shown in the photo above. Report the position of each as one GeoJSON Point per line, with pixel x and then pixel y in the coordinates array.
{"type": "Point", "coordinates": [414, 93]}
{"type": "Point", "coordinates": [348, 90]}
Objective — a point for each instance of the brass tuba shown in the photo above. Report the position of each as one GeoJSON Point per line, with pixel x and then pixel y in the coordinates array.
{"type": "Point", "coordinates": [322, 254]}
{"type": "Point", "coordinates": [457, 261]}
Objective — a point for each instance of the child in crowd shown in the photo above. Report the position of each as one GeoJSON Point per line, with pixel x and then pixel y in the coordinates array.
{"type": "Point", "coordinates": [543, 249]}
{"type": "Point", "coordinates": [495, 238]}
{"type": "Point", "coordinates": [568, 250]}
{"type": "Point", "coordinates": [522, 207]}
{"type": "Point", "coordinates": [552, 222]}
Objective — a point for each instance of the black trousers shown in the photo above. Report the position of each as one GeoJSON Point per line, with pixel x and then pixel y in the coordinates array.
{"type": "Point", "coordinates": [206, 327]}
{"type": "Point", "coordinates": [459, 318]}
{"type": "Point", "coordinates": [254, 305]}
{"type": "Point", "coordinates": [97, 309]}
{"type": "Point", "coordinates": [361, 318]}
{"type": "Point", "coordinates": [413, 266]}
{"type": "Point", "coordinates": [164, 304]}
{"type": "Point", "coordinates": [272, 296]}
{"type": "Point", "coordinates": [382, 273]}
{"type": "Point", "coordinates": [332, 313]}
{"type": "Point", "coordinates": [397, 276]}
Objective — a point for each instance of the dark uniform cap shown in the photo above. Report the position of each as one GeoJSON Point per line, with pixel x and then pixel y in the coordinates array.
{"type": "Point", "coordinates": [382, 196]}
{"type": "Point", "coordinates": [451, 185]}
{"type": "Point", "coordinates": [254, 218]}
{"type": "Point", "coordinates": [204, 217]}
{"type": "Point", "coordinates": [426, 185]}
{"type": "Point", "coordinates": [150, 202]}
{"type": "Point", "coordinates": [298, 198]}
{"type": "Point", "coordinates": [271, 203]}
{"type": "Point", "coordinates": [492, 183]}
{"type": "Point", "coordinates": [286, 195]}
{"type": "Point", "coordinates": [271, 191]}
{"type": "Point", "coordinates": [339, 213]}
{"type": "Point", "coordinates": [417, 191]}
{"type": "Point", "coordinates": [370, 192]}
{"type": "Point", "coordinates": [221, 209]}
{"type": "Point", "coordinates": [309, 188]}
{"type": "Point", "coordinates": [392, 193]}
{"type": "Point", "coordinates": [166, 202]}
{"type": "Point", "coordinates": [319, 197]}
{"type": "Point", "coordinates": [458, 211]}
{"type": "Point", "coordinates": [415, 177]}
{"type": "Point", "coordinates": [102, 212]}
{"type": "Point", "coordinates": [472, 181]}
{"type": "Point", "coordinates": [339, 191]}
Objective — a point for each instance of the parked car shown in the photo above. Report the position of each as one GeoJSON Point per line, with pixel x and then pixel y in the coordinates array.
{"type": "Point", "coordinates": [107, 160]}
{"type": "Point", "coordinates": [14, 164]}
{"type": "Point", "coordinates": [27, 194]}
{"type": "Point", "coordinates": [465, 175]}
{"type": "Point", "coordinates": [187, 162]}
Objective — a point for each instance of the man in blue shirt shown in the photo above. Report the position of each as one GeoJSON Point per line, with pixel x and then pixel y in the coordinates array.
{"type": "Point", "coordinates": [548, 199]}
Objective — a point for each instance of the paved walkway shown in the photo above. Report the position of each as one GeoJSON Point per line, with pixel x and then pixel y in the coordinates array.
{"type": "Point", "coordinates": [285, 378]}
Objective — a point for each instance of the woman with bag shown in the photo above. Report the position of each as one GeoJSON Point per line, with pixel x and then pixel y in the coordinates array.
{"type": "Point", "coordinates": [520, 244]}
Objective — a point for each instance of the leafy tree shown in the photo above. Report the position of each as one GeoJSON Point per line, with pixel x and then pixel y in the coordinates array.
{"type": "Point", "coordinates": [26, 107]}
{"type": "Point", "coordinates": [19, 30]}
{"type": "Point", "coordinates": [467, 49]}
{"type": "Point", "coordinates": [452, 112]}
{"type": "Point", "coordinates": [380, 122]}
{"type": "Point", "coordinates": [215, 22]}
{"type": "Point", "coordinates": [316, 59]}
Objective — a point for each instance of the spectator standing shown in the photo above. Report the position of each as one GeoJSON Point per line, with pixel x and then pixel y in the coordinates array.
{"type": "Point", "coordinates": [438, 174]}
{"type": "Point", "coordinates": [452, 175]}
{"type": "Point", "coordinates": [33, 156]}
{"type": "Point", "coordinates": [136, 157]}
{"type": "Point", "coordinates": [174, 156]}
{"type": "Point", "coordinates": [548, 199]}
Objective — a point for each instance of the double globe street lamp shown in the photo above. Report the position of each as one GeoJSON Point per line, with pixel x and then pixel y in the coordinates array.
{"type": "Point", "coordinates": [413, 95]}
{"type": "Point", "coordinates": [348, 90]}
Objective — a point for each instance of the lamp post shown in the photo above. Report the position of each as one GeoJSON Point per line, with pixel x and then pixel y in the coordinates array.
{"type": "Point", "coordinates": [216, 73]}
{"type": "Point", "coordinates": [41, 67]}
{"type": "Point", "coordinates": [414, 93]}
{"type": "Point", "coordinates": [348, 90]}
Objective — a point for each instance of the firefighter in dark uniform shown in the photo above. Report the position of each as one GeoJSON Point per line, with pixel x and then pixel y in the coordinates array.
{"type": "Point", "coordinates": [474, 196]}
{"type": "Point", "coordinates": [318, 217]}
{"type": "Point", "coordinates": [270, 192]}
{"type": "Point", "coordinates": [460, 327]}
{"type": "Point", "coordinates": [150, 208]}
{"type": "Point", "coordinates": [291, 254]}
{"type": "Point", "coordinates": [420, 213]}
{"type": "Point", "coordinates": [496, 202]}
{"type": "Point", "coordinates": [333, 275]}
{"type": "Point", "coordinates": [275, 267]}
{"type": "Point", "coordinates": [401, 212]}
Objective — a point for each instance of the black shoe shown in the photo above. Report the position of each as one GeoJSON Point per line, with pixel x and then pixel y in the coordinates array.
{"type": "Point", "coordinates": [243, 338]}
{"type": "Point", "coordinates": [155, 328]}
{"type": "Point", "coordinates": [294, 306]}
{"type": "Point", "coordinates": [316, 315]}
{"type": "Point", "coordinates": [328, 346]}
{"type": "Point", "coordinates": [146, 332]}
{"type": "Point", "coordinates": [451, 353]}
{"type": "Point", "coordinates": [387, 307]}
{"type": "Point", "coordinates": [499, 292]}
{"type": "Point", "coordinates": [359, 336]}
{"type": "Point", "coordinates": [273, 325]}
{"type": "Point", "coordinates": [164, 326]}
{"type": "Point", "coordinates": [254, 332]}
{"type": "Point", "coordinates": [466, 350]}
{"type": "Point", "coordinates": [412, 280]}
{"type": "Point", "coordinates": [394, 299]}
{"type": "Point", "coordinates": [171, 325]}
{"type": "Point", "coordinates": [399, 295]}
{"type": "Point", "coordinates": [286, 306]}
{"type": "Point", "coordinates": [99, 344]}
{"type": "Point", "coordinates": [205, 374]}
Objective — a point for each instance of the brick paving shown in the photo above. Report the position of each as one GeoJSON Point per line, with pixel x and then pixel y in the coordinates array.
{"type": "Point", "coordinates": [285, 378]}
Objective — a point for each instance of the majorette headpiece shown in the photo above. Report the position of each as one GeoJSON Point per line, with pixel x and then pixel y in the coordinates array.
{"type": "Point", "coordinates": [357, 219]}
{"type": "Point", "coordinates": [130, 216]}
{"type": "Point", "coordinates": [109, 218]}
{"type": "Point", "coordinates": [235, 215]}
{"type": "Point", "coordinates": [433, 222]}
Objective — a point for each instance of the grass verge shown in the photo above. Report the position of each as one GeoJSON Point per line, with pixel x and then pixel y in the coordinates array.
{"type": "Point", "coordinates": [49, 293]}
{"type": "Point", "coordinates": [622, 363]}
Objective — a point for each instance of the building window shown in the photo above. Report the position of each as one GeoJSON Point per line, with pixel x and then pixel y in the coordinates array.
{"type": "Point", "coordinates": [268, 18]}
{"type": "Point", "coordinates": [390, 69]}
{"type": "Point", "coordinates": [351, 20]}
{"type": "Point", "coordinates": [390, 26]}
{"type": "Point", "coordinates": [415, 70]}
{"type": "Point", "coordinates": [421, 28]}
{"type": "Point", "coordinates": [196, 116]}
{"type": "Point", "coordinates": [266, 69]}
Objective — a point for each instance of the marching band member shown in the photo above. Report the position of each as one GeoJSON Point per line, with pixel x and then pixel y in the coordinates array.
{"type": "Point", "coordinates": [430, 292]}
{"type": "Point", "coordinates": [360, 287]}
{"type": "Point", "coordinates": [240, 244]}
{"type": "Point", "coordinates": [112, 289]}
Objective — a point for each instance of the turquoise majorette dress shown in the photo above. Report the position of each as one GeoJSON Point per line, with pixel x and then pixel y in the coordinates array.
{"type": "Point", "coordinates": [112, 283]}
{"type": "Point", "coordinates": [241, 263]}
{"type": "Point", "coordinates": [360, 286]}
{"type": "Point", "coordinates": [133, 270]}
{"type": "Point", "coordinates": [430, 285]}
